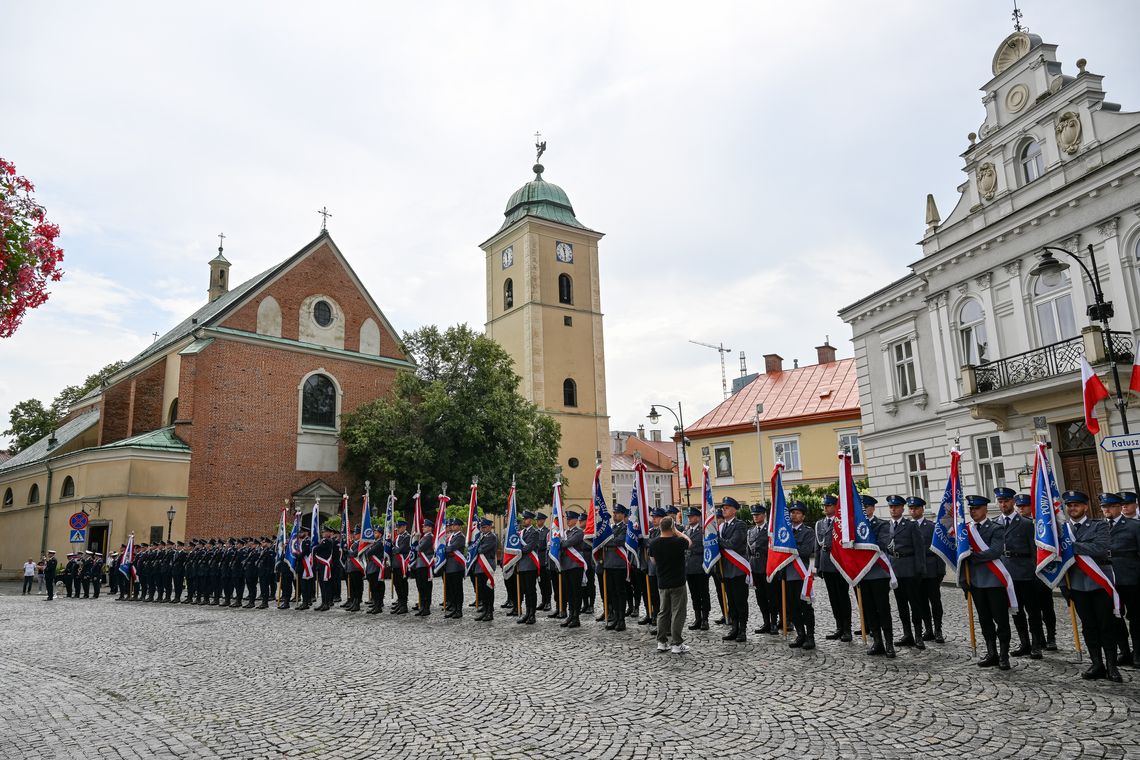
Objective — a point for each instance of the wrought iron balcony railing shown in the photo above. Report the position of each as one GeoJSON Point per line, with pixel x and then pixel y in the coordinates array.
{"type": "Point", "coordinates": [1045, 362]}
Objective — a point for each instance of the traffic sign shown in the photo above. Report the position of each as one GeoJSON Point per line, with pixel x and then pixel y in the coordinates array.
{"type": "Point", "coordinates": [78, 521]}
{"type": "Point", "coordinates": [1121, 442]}
{"type": "Point", "coordinates": [78, 537]}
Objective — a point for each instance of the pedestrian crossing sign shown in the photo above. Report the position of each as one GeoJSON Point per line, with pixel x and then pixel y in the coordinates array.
{"type": "Point", "coordinates": [78, 537]}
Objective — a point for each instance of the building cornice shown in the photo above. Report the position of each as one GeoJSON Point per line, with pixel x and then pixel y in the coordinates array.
{"type": "Point", "coordinates": [314, 349]}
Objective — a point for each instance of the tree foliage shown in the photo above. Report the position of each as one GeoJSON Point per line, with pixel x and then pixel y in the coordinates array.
{"type": "Point", "coordinates": [457, 415]}
{"type": "Point", "coordinates": [30, 420]}
{"type": "Point", "coordinates": [29, 257]}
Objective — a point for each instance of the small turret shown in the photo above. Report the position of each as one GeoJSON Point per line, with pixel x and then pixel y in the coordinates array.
{"type": "Point", "coordinates": [219, 274]}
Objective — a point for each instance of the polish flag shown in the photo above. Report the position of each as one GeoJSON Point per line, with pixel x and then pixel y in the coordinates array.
{"type": "Point", "coordinates": [1094, 392]}
{"type": "Point", "coordinates": [1134, 383]}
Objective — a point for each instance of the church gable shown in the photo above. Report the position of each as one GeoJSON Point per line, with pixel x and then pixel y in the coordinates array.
{"type": "Point", "coordinates": [318, 299]}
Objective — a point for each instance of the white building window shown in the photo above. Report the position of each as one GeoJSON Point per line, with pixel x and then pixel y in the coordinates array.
{"type": "Point", "coordinates": [991, 470]}
{"type": "Point", "coordinates": [1032, 162]}
{"type": "Point", "coordinates": [916, 475]}
{"type": "Point", "coordinates": [906, 382]}
{"type": "Point", "coordinates": [1053, 307]}
{"type": "Point", "coordinates": [849, 441]}
{"type": "Point", "coordinates": [787, 450]}
{"type": "Point", "coordinates": [972, 332]}
{"type": "Point", "coordinates": [657, 498]}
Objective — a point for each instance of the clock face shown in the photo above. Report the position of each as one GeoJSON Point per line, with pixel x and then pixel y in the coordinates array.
{"type": "Point", "coordinates": [564, 252]}
{"type": "Point", "coordinates": [508, 256]}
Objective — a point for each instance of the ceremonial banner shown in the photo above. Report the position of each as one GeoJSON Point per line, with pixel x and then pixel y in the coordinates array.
{"type": "Point", "coordinates": [781, 543]}
{"type": "Point", "coordinates": [950, 540]}
{"type": "Point", "coordinates": [629, 551]}
{"type": "Point", "coordinates": [854, 550]}
{"type": "Point", "coordinates": [368, 535]}
{"type": "Point", "coordinates": [512, 542]}
{"type": "Point", "coordinates": [708, 524]}
{"type": "Point", "coordinates": [127, 561]}
{"type": "Point", "coordinates": [294, 546]}
{"type": "Point", "coordinates": [602, 531]}
{"type": "Point", "coordinates": [468, 560]}
{"type": "Point", "coordinates": [440, 535]}
{"type": "Point", "coordinates": [558, 526]}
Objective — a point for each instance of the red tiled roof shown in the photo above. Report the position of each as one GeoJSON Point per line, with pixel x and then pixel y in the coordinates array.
{"type": "Point", "coordinates": [625, 462]}
{"type": "Point", "coordinates": [668, 448]}
{"type": "Point", "coordinates": [815, 392]}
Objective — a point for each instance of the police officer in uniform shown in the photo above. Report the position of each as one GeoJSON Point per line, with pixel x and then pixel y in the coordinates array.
{"type": "Point", "coordinates": [801, 611]}
{"type": "Point", "coordinates": [401, 552]}
{"type": "Point", "coordinates": [454, 541]}
{"type": "Point", "coordinates": [178, 572]}
{"type": "Point", "coordinates": [307, 582]}
{"type": "Point", "coordinates": [425, 549]}
{"type": "Point", "coordinates": [545, 581]}
{"type": "Point", "coordinates": [1020, 560]}
{"type": "Point", "coordinates": [528, 568]}
{"type": "Point", "coordinates": [615, 568]}
{"type": "Point", "coordinates": [930, 584]}
{"type": "Point", "coordinates": [484, 570]}
{"type": "Point", "coordinates": [267, 567]}
{"type": "Point", "coordinates": [250, 569]}
{"type": "Point", "coordinates": [695, 575]}
{"type": "Point", "coordinates": [909, 562]}
{"type": "Point", "coordinates": [354, 571]}
{"type": "Point", "coordinates": [572, 571]}
{"type": "Point", "coordinates": [838, 592]}
{"type": "Point", "coordinates": [986, 588]}
{"type": "Point", "coordinates": [1124, 542]}
{"type": "Point", "coordinates": [1092, 539]}
{"type": "Point", "coordinates": [758, 559]}
{"type": "Point", "coordinates": [733, 536]}
{"type": "Point", "coordinates": [876, 586]}
{"type": "Point", "coordinates": [325, 556]}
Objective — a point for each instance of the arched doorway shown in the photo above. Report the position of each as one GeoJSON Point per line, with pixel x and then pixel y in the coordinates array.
{"type": "Point", "coordinates": [1080, 469]}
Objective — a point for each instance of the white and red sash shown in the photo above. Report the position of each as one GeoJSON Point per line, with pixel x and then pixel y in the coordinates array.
{"type": "Point", "coordinates": [996, 566]}
{"type": "Point", "coordinates": [379, 562]}
{"type": "Point", "coordinates": [460, 557]}
{"type": "Point", "coordinates": [355, 559]}
{"type": "Point", "coordinates": [425, 559]}
{"type": "Point", "coordinates": [807, 575]}
{"type": "Point", "coordinates": [326, 567]}
{"type": "Point", "coordinates": [1093, 570]}
{"type": "Point", "coordinates": [534, 558]}
{"type": "Point", "coordinates": [487, 569]}
{"type": "Point", "coordinates": [307, 566]}
{"type": "Point", "coordinates": [738, 562]}
{"type": "Point", "coordinates": [625, 558]}
{"type": "Point", "coordinates": [576, 557]}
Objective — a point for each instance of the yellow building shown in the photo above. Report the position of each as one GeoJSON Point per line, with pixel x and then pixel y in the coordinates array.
{"type": "Point", "coordinates": [808, 414]}
{"type": "Point", "coordinates": [544, 307]}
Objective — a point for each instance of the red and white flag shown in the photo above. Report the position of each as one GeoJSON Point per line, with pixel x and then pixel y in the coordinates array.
{"type": "Point", "coordinates": [1094, 392]}
{"type": "Point", "coordinates": [1134, 383]}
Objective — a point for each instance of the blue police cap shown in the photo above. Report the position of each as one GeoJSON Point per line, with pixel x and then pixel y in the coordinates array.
{"type": "Point", "coordinates": [672, 509]}
{"type": "Point", "coordinates": [894, 500]}
{"type": "Point", "coordinates": [486, 522]}
{"type": "Point", "coordinates": [1022, 500]}
{"type": "Point", "coordinates": [798, 506]}
{"type": "Point", "coordinates": [868, 500]}
{"type": "Point", "coordinates": [621, 509]}
{"type": "Point", "coordinates": [454, 521]}
{"type": "Point", "coordinates": [719, 512]}
{"type": "Point", "coordinates": [1128, 497]}
{"type": "Point", "coordinates": [1070, 497]}
{"type": "Point", "coordinates": [572, 515]}
{"type": "Point", "coordinates": [1004, 493]}
{"type": "Point", "coordinates": [542, 515]}
{"type": "Point", "coordinates": [429, 524]}
{"type": "Point", "coordinates": [758, 509]}
{"type": "Point", "coordinates": [830, 500]}
{"type": "Point", "coordinates": [527, 514]}
{"type": "Point", "coordinates": [728, 501]}
{"type": "Point", "coordinates": [1110, 499]}
{"type": "Point", "coordinates": [915, 501]}
{"type": "Point", "coordinates": [977, 501]}
{"type": "Point", "coordinates": [693, 512]}
{"type": "Point", "coordinates": [402, 522]}
{"type": "Point", "coordinates": [657, 512]}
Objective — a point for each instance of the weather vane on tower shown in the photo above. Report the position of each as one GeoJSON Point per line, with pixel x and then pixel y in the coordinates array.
{"type": "Point", "coordinates": [539, 147]}
{"type": "Point", "coordinates": [1017, 27]}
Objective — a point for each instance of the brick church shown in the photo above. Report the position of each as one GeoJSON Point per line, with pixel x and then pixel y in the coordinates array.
{"type": "Point", "coordinates": [212, 428]}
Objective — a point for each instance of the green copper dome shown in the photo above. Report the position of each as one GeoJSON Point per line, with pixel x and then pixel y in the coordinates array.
{"type": "Point", "coordinates": [541, 199]}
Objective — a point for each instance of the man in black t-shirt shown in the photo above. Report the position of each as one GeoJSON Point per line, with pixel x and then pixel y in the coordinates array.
{"type": "Point", "coordinates": [668, 550]}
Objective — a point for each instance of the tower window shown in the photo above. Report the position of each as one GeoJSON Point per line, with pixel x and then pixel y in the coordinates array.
{"type": "Point", "coordinates": [565, 289]}
{"type": "Point", "coordinates": [322, 313]}
{"type": "Point", "coordinates": [508, 294]}
{"type": "Point", "coordinates": [569, 393]}
{"type": "Point", "coordinates": [318, 403]}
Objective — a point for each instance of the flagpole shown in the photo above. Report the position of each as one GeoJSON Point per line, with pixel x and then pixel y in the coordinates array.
{"type": "Point", "coordinates": [392, 533]}
{"type": "Point", "coordinates": [970, 611]}
{"type": "Point", "coordinates": [438, 517]}
{"type": "Point", "coordinates": [862, 622]}
{"type": "Point", "coordinates": [1073, 618]}
{"type": "Point", "coordinates": [284, 510]}
{"type": "Point", "coordinates": [784, 605]}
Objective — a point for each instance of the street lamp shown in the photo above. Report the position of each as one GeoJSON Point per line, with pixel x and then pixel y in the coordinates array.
{"type": "Point", "coordinates": [169, 520]}
{"type": "Point", "coordinates": [1101, 311]}
{"type": "Point", "coordinates": [678, 415]}
{"type": "Point", "coordinates": [760, 450]}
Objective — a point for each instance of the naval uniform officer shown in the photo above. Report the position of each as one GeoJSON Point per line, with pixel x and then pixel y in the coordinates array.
{"type": "Point", "coordinates": [1124, 541]}
{"type": "Point", "coordinates": [904, 544]}
{"type": "Point", "coordinates": [1020, 559]}
{"type": "Point", "coordinates": [1092, 539]}
{"type": "Point", "coordinates": [733, 535]}
{"type": "Point", "coordinates": [695, 575]}
{"type": "Point", "coordinates": [615, 566]}
{"type": "Point", "coordinates": [986, 588]}
{"type": "Point", "coordinates": [838, 591]}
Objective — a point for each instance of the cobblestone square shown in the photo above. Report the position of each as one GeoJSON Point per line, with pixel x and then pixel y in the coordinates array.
{"type": "Point", "coordinates": [107, 679]}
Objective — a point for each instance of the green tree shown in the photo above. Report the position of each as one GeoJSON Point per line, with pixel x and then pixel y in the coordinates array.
{"type": "Point", "coordinates": [458, 414]}
{"type": "Point", "coordinates": [30, 421]}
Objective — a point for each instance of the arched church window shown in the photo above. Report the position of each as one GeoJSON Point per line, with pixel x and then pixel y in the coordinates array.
{"type": "Point", "coordinates": [8, 498]}
{"type": "Point", "coordinates": [1032, 161]}
{"type": "Point", "coordinates": [972, 331]}
{"type": "Point", "coordinates": [318, 402]}
{"type": "Point", "coordinates": [565, 289]}
{"type": "Point", "coordinates": [508, 294]}
{"type": "Point", "coordinates": [173, 411]}
{"type": "Point", "coordinates": [569, 392]}
{"type": "Point", "coordinates": [1053, 307]}
{"type": "Point", "coordinates": [68, 488]}
{"type": "Point", "coordinates": [34, 494]}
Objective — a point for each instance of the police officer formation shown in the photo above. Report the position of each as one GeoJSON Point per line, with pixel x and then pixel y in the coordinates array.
{"type": "Point", "coordinates": [251, 572]}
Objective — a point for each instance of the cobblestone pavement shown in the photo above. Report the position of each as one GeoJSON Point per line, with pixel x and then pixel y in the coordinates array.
{"type": "Point", "coordinates": [85, 678]}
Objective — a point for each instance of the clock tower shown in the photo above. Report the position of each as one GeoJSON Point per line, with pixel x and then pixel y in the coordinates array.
{"type": "Point", "coordinates": [544, 307]}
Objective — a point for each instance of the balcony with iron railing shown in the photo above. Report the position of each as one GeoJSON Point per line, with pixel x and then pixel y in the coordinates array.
{"type": "Point", "coordinates": [1046, 362]}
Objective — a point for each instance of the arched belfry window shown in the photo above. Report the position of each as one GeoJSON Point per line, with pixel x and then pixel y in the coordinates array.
{"type": "Point", "coordinates": [318, 402]}
{"type": "Point", "coordinates": [508, 294]}
{"type": "Point", "coordinates": [569, 392]}
{"type": "Point", "coordinates": [1053, 307]}
{"type": "Point", "coordinates": [565, 289]}
{"type": "Point", "coordinates": [972, 331]}
{"type": "Point", "coordinates": [1032, 161]}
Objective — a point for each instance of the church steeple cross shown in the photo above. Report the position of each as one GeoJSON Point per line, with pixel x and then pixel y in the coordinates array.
{"type": "Point", "coordinates": [324, 212]}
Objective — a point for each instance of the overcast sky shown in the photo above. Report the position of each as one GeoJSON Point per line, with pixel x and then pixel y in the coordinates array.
{"type": "Point", "coordinates": [755, 166]}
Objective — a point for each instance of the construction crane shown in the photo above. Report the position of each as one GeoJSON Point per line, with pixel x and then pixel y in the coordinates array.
{"type": "Point", "coordinates": [723, 351]}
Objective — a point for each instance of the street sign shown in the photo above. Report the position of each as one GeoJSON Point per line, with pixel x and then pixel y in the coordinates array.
{"type": "Point", "coordinates": [1121, 442]}
{"type": "Point", "coordinates": [78, 521]}
{"type": "Point", "coordinates": [78, 537]}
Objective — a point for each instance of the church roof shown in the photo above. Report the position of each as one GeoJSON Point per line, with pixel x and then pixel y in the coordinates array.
{"type": "Point", "coordinates": [162, 439]}
{"type": "Point", "coordinates": [543, 200]}
{"type": "Point", "coordinates": [65, 433]}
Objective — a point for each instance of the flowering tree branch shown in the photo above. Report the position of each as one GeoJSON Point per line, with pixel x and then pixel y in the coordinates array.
{"type": "Point", "coordinates": [29, 257]}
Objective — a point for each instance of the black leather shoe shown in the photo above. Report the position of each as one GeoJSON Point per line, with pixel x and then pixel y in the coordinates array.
{"type": "Point", "coordinates": [889, 650]}
{"type": "Point", "coordinates": [1095, 672]}
{"type": "Point", "coordinates": [620, 627]}
{"type": "Point", "coordinates": [573, 623]}
{"type": "Point", "coordinates": [876, 649]}
{"type": "Point", "coordinates": [846, 637]}
{"type": "Point", "coordinates": [1035, 653]}
{"type": "Point", "coordinates": [1003, 662]}
{"type": "Point", "coordinates": [599, 618]}
{"type": "Point", "coordinates": [742, 637]}
{"type": "Point", "coordinates": [1113, 674]}
{"type": "Point", "coordinates": [731, 635]}
{"type": "Point", "coordinates": [720, 621]}
{"type": "Point", "coordinates": [809, 642]}
{"type": "Point", "coordinates": [919, 644]}
{"type": "Point", "coordinates": [830, 637]}
{"type": "Point", "coordinates": [989, 661]}
{"type": "Point", "coordinates": [905, 641]}
{"type": "Point", "coordinates": [938, 637]}
{"type": "Point", "coordinates": [1051, 643]}
{"type": "Point", "coordinates": [1021, 651]}
{"type": "Point", "coordinates": [928, 636]}
{"type": "Point", "coordinates": [565, 623]}
{"type": "Point", "coordinates": [798, 642]}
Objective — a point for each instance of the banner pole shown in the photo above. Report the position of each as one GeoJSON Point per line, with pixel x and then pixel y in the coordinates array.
{"type": "Point", "coordinates": [970, 613]}
{"type": "Point", "coordinates": [862, 622]}
{"type": "Point", "coordinates": [605, 604]}
{"type": "Point", "coordinates": [784, 605]}
{"type": "Point", "coordinates": [1073, 618]}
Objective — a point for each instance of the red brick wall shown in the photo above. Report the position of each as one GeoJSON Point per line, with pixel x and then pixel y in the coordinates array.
{"type": "Point", "coordinates": [242, 414]}
{"type": "Point", "coordinates": [300, 282]}
{"type": "Point", "coordinates": [115, 422]}
{"type": "Point", "coordinates": [149, 413]}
